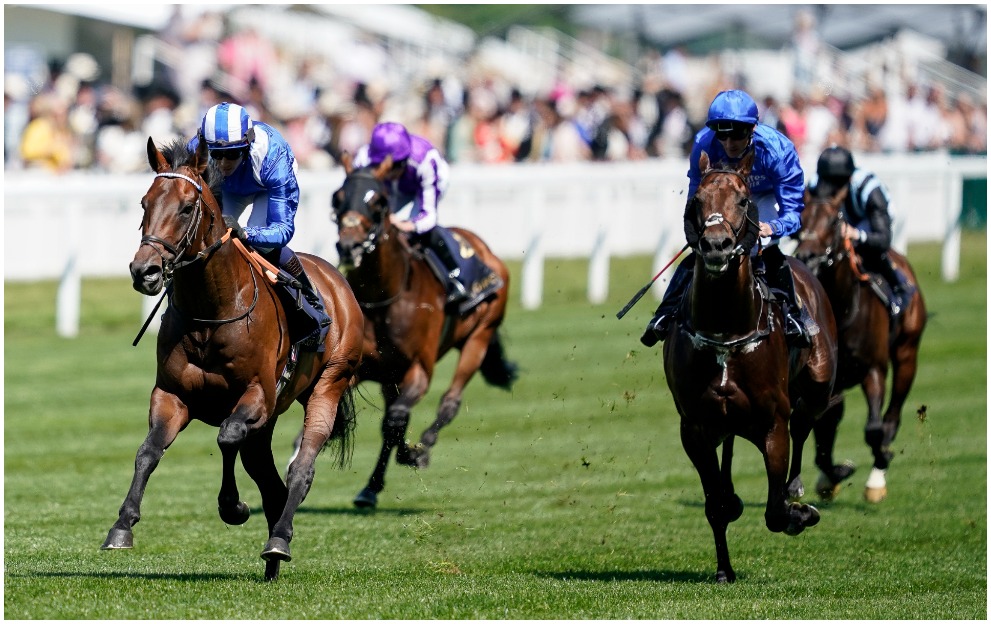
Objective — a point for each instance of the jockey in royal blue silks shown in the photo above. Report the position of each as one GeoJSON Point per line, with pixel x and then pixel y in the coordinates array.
{"type": "Point", "coordinates": [867, 214]}
{"type": "Point", "coordinates": [419, 177]}
{"type": "Point", "coordinates": [777, 187]}
{"type": "Point", "coordinates": [259, 172]}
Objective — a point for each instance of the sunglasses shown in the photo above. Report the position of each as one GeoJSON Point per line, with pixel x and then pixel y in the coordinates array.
{"type": "Point", "coordinates": [225, 154]}
{"type": "Point", "coordinates": [735, 134]}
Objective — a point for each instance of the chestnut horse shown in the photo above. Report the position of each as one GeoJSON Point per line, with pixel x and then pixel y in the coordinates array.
{"type": "Point", "coordinates": [730, 371]}
{"type": "Point", "coordinates": [224, 351]}
{"type": "Point", "coordinates": [407, 329]}
{"type": "Point", "coordinates": [869, 339]}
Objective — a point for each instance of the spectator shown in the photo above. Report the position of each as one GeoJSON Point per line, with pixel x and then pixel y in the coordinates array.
{"type": "Point", "coordinates": [47, 142]}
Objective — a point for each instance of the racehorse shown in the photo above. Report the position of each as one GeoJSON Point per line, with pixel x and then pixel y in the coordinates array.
{"type": "Point", "coordinates": [869, 339]}
{"type": "Point", "coordinates": [407, 329]}
{"type": "Point", "coordinates": [730, 370]}
{"type": "Point", "coordinates": [224, 351]}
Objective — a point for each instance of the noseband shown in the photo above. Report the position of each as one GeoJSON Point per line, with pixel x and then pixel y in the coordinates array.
{"type": "Point", "coordinates": [717, 218]}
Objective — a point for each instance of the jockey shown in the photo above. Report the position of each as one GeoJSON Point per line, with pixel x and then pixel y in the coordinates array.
{"type": "Point", "coordinates": [259, 172]}
{"type": "Point", "coordinates": [867, 214]}
{"type": "Point", "coordinates": [777, 186]}
{"type": "Point", "coordinates": [419, 176]}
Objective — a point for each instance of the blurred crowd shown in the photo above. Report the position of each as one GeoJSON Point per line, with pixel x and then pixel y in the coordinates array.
{"type": "Point", "coordinates": [72, 117]}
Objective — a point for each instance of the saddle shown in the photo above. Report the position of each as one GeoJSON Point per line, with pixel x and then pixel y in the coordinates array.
{"type": "Point", "coordinates": [478, 279]}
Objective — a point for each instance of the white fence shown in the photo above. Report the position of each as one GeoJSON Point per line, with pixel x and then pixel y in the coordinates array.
{"type": "Point", "coordinates": [82, 225]}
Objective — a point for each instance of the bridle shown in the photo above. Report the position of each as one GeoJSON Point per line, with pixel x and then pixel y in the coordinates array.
{"type": "Point", "coordinates": [179, 249]}
{"type": "Point", "coordinates": [717, 218]}
{"type": "Point", "coordinates": [378, 233]}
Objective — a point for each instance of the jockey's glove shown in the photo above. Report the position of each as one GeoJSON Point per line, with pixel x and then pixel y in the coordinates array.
{"type": "Point", "coordinates": [236, 230]}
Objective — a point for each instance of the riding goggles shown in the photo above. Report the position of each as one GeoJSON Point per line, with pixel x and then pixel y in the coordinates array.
{"type": "Point", "coordinates": [225, 154]}
{"type": "Point", "coordinates": [736, 133]}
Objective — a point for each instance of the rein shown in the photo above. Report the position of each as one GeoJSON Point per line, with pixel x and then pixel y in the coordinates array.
{"type": "Point", "coordinates": [178, 250]}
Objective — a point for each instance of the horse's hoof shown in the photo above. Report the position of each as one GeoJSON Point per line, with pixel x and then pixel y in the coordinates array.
{"type": "Point", "coordinates": [826, 489]}
{"type": "Point", "coordinates": [801, 517]}
{"type": "Point", "coordinates": [423, 459]}
{"type": "Point", "coordinates": [277, 549]}
{"type": "Point", "coordinates": [272, 569]}
{"type": "Point", "coordinates": [875, 495]}
{"type": "Point", "coordinates": [238, 514]}
{"type": "Point", "coordinates": [411, 455]}
{"type": "Point", "coordinates": [366, 499]}
{"type": "Point", "coordinates": [727, 576]}
{"type": "Point", "coordinates": [118, 539]}
{"type": "Point", "coordinates": [796, 490]}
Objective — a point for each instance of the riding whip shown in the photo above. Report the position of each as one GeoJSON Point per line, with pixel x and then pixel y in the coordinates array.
{"type": "Point", "coordinates": [643, 291]}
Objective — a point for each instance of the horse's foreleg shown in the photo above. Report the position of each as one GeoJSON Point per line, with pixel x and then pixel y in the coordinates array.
{"type": "Point", "coordinates": [721, 506]}
{"type": "Point", "coordinates": [800, 428]}
{"type": "Point", "coordinates": [259, 463]}
{"type": "Point", "coordinates": [831, 475]}
{"type": "Point", "coordinates": [394, 425]}
{"type": "Point", "coordinates": [780, 514]}
{"type": "Point", "coordinates": [874, 389]}
{"type": "Point", "coordinates": [904, 365]}
{"type": "Point", "coordinates": [167, 417]}
{"type": "Point", "coordinates": [233, 432]}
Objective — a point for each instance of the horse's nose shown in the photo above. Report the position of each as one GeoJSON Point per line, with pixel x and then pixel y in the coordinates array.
{"type": "Point", "coordinates": [715, 243]}
{"type": "Point", "coordinates": [146, 278]}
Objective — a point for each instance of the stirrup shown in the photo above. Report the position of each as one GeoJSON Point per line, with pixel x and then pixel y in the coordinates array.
{"type": "Point", "coordinates": [795, 333]}
{"type": "Point", "coordinates": [456, 292]}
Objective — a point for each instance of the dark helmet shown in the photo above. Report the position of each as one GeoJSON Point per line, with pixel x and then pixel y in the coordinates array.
{"type": "Point", "coordinates": [731, 107]}
{"type": "Point", "coordinates": [389, 139]}
{"type": "Point", "coordinates": [835, 163]}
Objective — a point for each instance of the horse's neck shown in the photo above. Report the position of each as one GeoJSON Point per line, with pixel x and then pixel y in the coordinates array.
{"type": "Point", "coordinates": [212, 288]}
{"type": "Point", "coordinates": [843, 285]}
{"type": "Point", "coordinates": [384, 271]}
{"type": "Point", "coordinates": [727, 304]}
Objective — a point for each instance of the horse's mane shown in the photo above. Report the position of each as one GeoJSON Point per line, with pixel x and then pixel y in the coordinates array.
{"type": "Point", "coordinates": [178, 154]}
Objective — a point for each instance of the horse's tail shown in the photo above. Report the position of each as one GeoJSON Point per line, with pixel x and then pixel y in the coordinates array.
{"type": "Point", "coordinates": [341, 436]}
{"type": "Point", "coordinates": [496, 369]}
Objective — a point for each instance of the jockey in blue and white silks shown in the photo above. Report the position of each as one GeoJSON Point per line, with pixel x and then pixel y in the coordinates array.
{"type": "Point", "coordinates": [867, 212]}
{"type": "Point", "coordinates": [418, 180]}
{"type": "Point", "coordinates": [777, 187]}
{"type": "Point", "coordinates": [259, 172]}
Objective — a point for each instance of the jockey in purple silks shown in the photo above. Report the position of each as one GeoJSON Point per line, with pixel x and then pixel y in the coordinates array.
{"type": "Point", "coordinates": [777, 187]}
{"type": "Point", "coordinates": [418, 179]}
{"type": "Point", "coordinates": [259, 172]}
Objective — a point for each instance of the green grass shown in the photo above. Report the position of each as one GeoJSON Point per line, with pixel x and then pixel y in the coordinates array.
{"type": "Point", "coordinates": [568, 498]}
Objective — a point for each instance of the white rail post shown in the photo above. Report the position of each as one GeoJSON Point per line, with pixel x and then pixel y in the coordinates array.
{"type": "Point", "coordinates": [67, 299]}
{"type": "Point", "coordinates": [951, 239]}
{"type": "Point", "coordinates": [532, 287]}
{"type": "Point", "coordinates": [598, 264]}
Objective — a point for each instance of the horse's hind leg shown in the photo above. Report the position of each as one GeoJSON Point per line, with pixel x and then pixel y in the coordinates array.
{"type": "Point", "coordinates": [874, 388]}
{"type": "Point", "coordinates": [722, 506]}
{"type": "Point", "coordinates": [259, 463]}
{"type": "Point", "coordinates": [167, 417]}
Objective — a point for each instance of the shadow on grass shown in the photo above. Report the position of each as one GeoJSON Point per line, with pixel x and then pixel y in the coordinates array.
{"type": "Point", "coordinates": [348, 511]}
{"type": "Point", "coordinates": [619, 576]}
{"type": "Point", "coordinates": [147, 576]}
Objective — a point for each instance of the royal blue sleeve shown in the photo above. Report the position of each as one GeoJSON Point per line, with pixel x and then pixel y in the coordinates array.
{"type": "Point", "coordinates": [279, 179]}
{"type": "Point", "coordinates": [789, 190]}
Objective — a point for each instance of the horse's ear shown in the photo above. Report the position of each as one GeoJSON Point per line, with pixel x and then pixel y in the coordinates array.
{"type": "Point", "coordinates": [746, 164]}
{"type": "Point", "coordinates": [155, 158]}
{"type": "Point", "coordinates": [202, 157]}
{"type": "Point", "coordinates": [347, 161]}
{"type": "Point", "coordinates": [383, 169]}
{"type": "Point", "coordinates": [841, 196]}
{"type": "Point", "coordinates": [704, 164]}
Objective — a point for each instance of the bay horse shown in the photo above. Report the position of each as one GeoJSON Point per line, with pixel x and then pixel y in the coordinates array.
{"type": "Point", "coordinates": [731, 372]}
{"type": "Point", "coordinates": [869, 339]}
{"type": "Point", "coordinates": [224, 352]}
{"type": "Point", "coordinates": [407, 329]}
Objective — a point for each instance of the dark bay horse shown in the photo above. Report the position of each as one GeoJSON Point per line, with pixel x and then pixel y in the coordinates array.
{"type": "Point", "coordinates": [730, 371]}
{"type": "Point", "coordinates": [407, 329]}
{"type": "Point", "coordinates": [223, 347]}
{"type": "Point", "coordinates": [869, 339]}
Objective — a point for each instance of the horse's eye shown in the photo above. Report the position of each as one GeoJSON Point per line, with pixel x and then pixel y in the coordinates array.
{"type": "Point", "coordinates": [186, 209]}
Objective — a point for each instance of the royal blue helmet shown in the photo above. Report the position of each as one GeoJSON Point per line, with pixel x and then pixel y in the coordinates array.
{"type": "Point", "coordinates": [389, 139]}
{"type": "Point", "coordinates": [731, 107]}
{"type": "Point", "coordinates": [226, 126]}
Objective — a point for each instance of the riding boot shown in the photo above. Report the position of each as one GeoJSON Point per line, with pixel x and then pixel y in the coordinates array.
{"type": "Point", "coordinates": [901, 290]}
{"type": "Point", "coordinates": [784, 288]}
{"type": "Point", "coordinates": [315, 310]}
{"type": "Point", "coordinates": [442, 246]}
{"type": "Point", "coordinates": [658, 326]}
